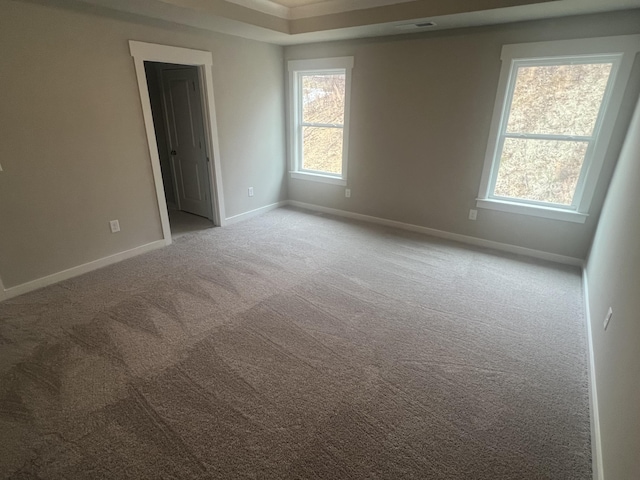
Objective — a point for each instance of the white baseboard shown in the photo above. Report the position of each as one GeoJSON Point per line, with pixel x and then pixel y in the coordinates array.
{"type": "Point", "coordinates": [102, 262]}
{"type": "Point", "coordinates": [30, 286]}
{"type": "Point", "coordinates": [479, 242]}
{"type": "Point", "coordinates": [78, 270]}
{"type": "Point", "coordinates": [596, 441]}
{"type": "Point", "coordinates": [252, 213]}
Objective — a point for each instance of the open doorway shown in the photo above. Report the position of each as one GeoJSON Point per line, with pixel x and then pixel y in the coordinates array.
{"type": "Point", "coordinates": [194, 185]}
{"type": "Point", "coordinates": [178, 122]}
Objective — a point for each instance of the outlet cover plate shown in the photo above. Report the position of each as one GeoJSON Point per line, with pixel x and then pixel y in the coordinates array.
{"type": "Point", "coordinates": [114, 225]}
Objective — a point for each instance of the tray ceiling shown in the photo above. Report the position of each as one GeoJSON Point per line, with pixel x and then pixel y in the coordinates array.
{"type": "Point", "coordinates": [287, 22]}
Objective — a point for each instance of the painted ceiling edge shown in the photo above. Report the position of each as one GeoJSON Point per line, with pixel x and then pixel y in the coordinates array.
{"type": "Point", "coordinates": [313, 8]}
{"type": "Point", "coordinates": [230, 17]}
{"type": "Point", "coordinates": [335, 14]}
{"type": "Point", "coordinates": [403, 12]}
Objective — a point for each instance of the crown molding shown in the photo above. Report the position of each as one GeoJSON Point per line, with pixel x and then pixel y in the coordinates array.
{"type": "Point", "coordinates": [338, 6]}
{"type": "Point", "coordinates": [265, 6]}
{"type": "Point", "coordinates": [328, 7]}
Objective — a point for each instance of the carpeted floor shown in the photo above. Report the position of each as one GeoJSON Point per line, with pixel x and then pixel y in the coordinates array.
{"type": "Point", "coordinates": [299, 346]}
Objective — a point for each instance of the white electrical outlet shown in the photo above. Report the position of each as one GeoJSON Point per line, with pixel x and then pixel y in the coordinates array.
{"type": "Point", "coordinates": [473, 214]}
{"type": "Point", "coordinates": [114, 225]}
{"type": "Point", "coordinates": [607, 319]}
{"type": "Point", "coordinates": [347, 192]}
{"type": "Point", "coordinates": [251, 191]}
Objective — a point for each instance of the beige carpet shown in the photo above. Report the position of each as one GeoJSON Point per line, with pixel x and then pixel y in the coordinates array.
{"type": "Point", "coordinates": [299, 346]}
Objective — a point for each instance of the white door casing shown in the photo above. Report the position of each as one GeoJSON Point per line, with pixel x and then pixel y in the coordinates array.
{"type": "Point", "coordinates": [185, 135]}
{"type": "Point", "coordinates": [141, 52]}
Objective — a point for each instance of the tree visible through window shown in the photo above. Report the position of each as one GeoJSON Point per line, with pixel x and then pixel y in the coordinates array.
{"type": "Point", "coordinates": [551, 123]}
{"type": "Point", "coordinates": [323, 122]}
{"type": "Point", "coordinates": [553, 118]}
{"type": "Point", "coordinates": [319, 102]}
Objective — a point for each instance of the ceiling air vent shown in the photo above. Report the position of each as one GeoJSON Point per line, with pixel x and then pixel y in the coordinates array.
{"type": "Point", "coordinates": [416, 26]}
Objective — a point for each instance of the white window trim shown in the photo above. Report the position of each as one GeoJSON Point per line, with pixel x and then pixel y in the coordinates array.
{"type": "Point", "coordinates": [320, 65]}
{"type": "Point", "coordinates": [621, 50]}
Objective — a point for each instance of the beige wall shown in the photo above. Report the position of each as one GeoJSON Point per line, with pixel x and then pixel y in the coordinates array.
{"type": "Point", "coordinates": [613, 273]}
{"type": "Point", "coordinates": [75, 154]}
{"type": "Point", "coordinates": [73, 147]}
{"type": "Point", "coordinates": [420, 115]}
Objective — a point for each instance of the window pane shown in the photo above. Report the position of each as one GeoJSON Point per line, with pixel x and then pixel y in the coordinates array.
{"type": "Point", "coordinates": [322, 149]}
{"type": "Point", "coordinates": [323, 99]}
{"type": "Point", "coordinates": [559, 99]}
{"type": "Point", "coordinates": [540, 170]}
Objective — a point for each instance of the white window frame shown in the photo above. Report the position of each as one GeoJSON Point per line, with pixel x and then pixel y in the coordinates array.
{"type": "Point", "coordinates": [297, 69]}
{"type": "Point", "coordinates": [620, 51]}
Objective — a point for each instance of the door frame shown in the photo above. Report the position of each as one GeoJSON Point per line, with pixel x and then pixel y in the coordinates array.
{"type": "Point", "coordinates": [151, 52]}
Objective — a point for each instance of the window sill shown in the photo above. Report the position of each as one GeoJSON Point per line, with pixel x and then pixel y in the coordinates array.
{"type": "Point", "coordinates": [318, 177]}
{"type": "Point", "coordinates": [532, 210]}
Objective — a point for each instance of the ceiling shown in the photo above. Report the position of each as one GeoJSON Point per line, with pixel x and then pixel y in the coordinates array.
{"type": "Point", "coordinates": [299, 3]}
{"type": "Point", "coordinates": [287, 22]}
{"type": "Point", "coordinates": [294, 9]}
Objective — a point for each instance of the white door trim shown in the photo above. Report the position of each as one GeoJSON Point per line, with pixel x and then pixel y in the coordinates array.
{"type": "Point", "coordinates": [141, 52]}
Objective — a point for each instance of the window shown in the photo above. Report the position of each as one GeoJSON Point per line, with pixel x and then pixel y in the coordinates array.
{"type": "Point", "coordinates": [319, 118]}
{"type": "Point", "coordinates": [554, 114]}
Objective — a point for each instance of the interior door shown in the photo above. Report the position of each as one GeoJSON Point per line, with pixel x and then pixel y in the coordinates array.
{"type": "Point", "coordinates": [183, 112]}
